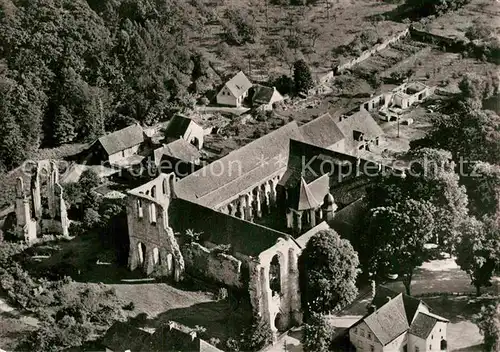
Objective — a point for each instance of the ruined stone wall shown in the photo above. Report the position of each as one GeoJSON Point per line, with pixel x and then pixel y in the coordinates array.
{"type": "Point", "coordinates": [216, 267]}
{"type": "Point", "coordinates": [152, 241]}
{"type": "Point", "coordinates": [282, 310]}
{"type": "Point", "coordinates": [28, 206]}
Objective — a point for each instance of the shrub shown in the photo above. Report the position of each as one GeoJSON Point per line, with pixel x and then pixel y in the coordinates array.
{"type": "Point", "coordinates": [258, 336]}
{"type": "Point", "coordinates": [130, 306]}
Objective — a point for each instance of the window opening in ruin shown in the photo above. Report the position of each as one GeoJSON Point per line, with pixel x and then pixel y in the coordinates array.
{"type": "Point", "coordinates": [152, 215]}
{"type": "Point", "coordinates": [141, 248]}
{"type": "Point", "coordinates": [156, 256]}
{"type": "Point", "coordinates": [139, 208]}
{"type": "Point", "coordinates": [274, 276]}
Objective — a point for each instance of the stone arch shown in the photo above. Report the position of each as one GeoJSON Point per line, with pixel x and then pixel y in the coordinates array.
{"type": "Point", "coordinates": [279, 322]}
{"type": "Point", "coordinates": [156, 256]}
{"type": "Point", "coordinates": [170, 263]}
{"type": "Point", "coordinates": [141, 253]}
{"type": "Point", "coordinates": [443, 345]}
{"type": "Point", "coordinates": [277, 276]}
{"type": "Point", "coordinates": [230, 209]}
{"type": "Point", "coordinates": [19, 187]}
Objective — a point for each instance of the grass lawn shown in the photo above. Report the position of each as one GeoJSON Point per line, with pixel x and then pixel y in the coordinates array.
{"type": "Point", "coordinates": [462, 334]}
{"type": "Point", "coordinates": [158, 303]}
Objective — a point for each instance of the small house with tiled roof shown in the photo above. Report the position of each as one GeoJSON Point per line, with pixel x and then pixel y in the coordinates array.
{"type": "Point", "coordinates": [182, 127]}
{"type": "Point", "coordinates": [234, 91]}
{"type": "Point", "coordinates": [179, 157]}
{"type": "Point", "coordinates": [398, 322]}
{"type": "Point", "coordinates": [264, 97]}
{"type": "Point", "coordinates": [118, 147]}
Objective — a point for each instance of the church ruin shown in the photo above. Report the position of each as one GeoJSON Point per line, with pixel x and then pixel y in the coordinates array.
{"type": "Point", "coordinates": [243, 221]}
{"type": "Point", "coordinates": [41, 209]}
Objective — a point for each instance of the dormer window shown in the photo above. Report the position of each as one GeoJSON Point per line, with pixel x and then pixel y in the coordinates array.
{"type": "Point", "coordinates": [358, 135]}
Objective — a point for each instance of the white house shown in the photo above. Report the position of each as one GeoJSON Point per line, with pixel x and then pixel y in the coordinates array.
{"type": "Point", "coordinates": [264, 97]}
{"type": "Point", "coordinates": [234, 91]}
{"type": "Point", "coordinates": [402, 324]}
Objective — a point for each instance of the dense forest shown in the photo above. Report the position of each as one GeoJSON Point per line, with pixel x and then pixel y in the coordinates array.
{"type": "Point", "coordinates": [72, 69]}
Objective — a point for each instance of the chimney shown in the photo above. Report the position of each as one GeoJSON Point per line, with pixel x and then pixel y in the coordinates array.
{"type": "Point", "coordinates": [193, 335]}
{"type": "Point", "coordinates": [388, 298]}
{"type": "Point", "coordinates": [171, 325]}
{"type": "Point", "coordinates": [372, 309]}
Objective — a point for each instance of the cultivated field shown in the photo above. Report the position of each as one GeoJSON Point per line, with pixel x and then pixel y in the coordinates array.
{"type": "Point", "coordinates": [339, 25]}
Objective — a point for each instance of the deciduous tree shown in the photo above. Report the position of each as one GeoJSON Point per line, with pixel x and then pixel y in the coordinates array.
{"type": "Point", "coordinates": [328, 270]}
{"type": "Point", "coordinates": [478, 250]}
{"type": "Point", "coordinates": [488, 321]}
{"type": "Point", "coordinates": [317, 334]}
{"type": "Point", "coordinates": [395, 238]}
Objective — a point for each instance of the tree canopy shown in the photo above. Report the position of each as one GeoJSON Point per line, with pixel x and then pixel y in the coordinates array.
{"type": "Point", "coordinates": [72, 69]}
{"type": "Point", "coordinates": [478, 252]}
{"type": "Point", "coordinates": [302, 76]}
{"type": "Point", "coordinates": [395, 238]}
{"type": "Point", "coordinates": [328, 270]}
{"type": "Point", "coordinates": [488, 321]}
{"type": "Point", "coordinates": [317, 335]}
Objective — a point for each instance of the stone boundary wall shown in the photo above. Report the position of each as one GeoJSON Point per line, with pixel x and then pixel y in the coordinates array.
{"type": "Point", "coordinates": [216, 267]}
{"type": "Point", "coordinates": [367, 53]}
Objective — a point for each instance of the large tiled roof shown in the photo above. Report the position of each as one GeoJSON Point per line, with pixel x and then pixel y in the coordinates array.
{"type": "Point", "coordinates": [122, 337]}
{"type": "Point", "coordinates": [122, 139]}
{"type": "Point", "coordinates": [177, 126]}
{"type": "Point", "coordinates": [322, 131]}
{"type": "Point", "coordinates": [239, 84]}
{"type": "Point", "coordinates": [219, 228]}
{"type": "Point", "coordinates": [182, 150]}
{"type": "Point", "coordinates": [361, 121]}
{"type": "Point", "coordinates": [345, 219]}
{"type": "Point", "coordinates": [388, 321]}
{"type": "Point", "coordinates": [240, 170]}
